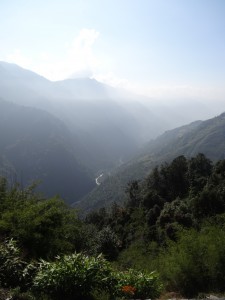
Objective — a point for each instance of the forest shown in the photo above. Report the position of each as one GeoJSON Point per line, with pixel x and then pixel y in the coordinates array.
{"type": "Point", "coordinates": [167, 236]}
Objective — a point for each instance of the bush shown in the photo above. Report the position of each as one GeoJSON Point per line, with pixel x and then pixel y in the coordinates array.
{"type": "Point", "coordinates": [196, 262]}
{"type": "Point", "coordinates": [11, 265]}
{"type": "Point", "coordinates": [14, 271]}
{"type": "Point", "coordinates": [78, 277]}
{"type": "Point", "coordinates": [73, 276]}
{"type": "Point", "coordinates": [135, 284]}
{"type": "Point", "coordinates": [43, 227]}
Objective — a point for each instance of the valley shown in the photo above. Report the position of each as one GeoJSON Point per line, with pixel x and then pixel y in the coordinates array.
{"type": "Point", "coordinates": [95, 176]}
{"type": "Point", "coordinates": [112, 150]}
{"type": "Point", "coordinates": [78, 127]}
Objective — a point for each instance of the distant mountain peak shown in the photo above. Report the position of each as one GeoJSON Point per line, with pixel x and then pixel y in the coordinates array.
{"type": "Point", "coordinates": [18, 72]}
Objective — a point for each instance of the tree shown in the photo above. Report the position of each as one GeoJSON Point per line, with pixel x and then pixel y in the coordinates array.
{"type": "Point", "coordinates": [199, 170]}
{"type": "Point", "coordinates": [107, 243]}
{"type": "Point", "coordinates": [209, 202]}
{"type": "Point", "coordinates": [178, 184]}
{"type": "Point", "coordinates": [133, 194]}
{"type": "Point", "coordinates": [174, 215]}
{"type": "Point", "coordinates": [43, 227]}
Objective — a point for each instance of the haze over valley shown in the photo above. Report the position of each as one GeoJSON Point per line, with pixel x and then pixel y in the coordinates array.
{"type": "Point", "coordinates": [67, 133]}
{"type": "Point", "coordinates": [82, 96]}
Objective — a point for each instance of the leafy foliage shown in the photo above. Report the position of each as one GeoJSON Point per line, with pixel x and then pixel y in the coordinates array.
{"type": "Point", "coordinates": [77, 276]}
{"type": "Point", "coordinates": [172, 222]}
{"type": "Point", "coordinates": [195, 263]}
{"type": "Point", "coordinates": [107, 243]}
{"type": "Point", "coordinates": [73, 276]}
{"type": "Point", "coordinates": [11, 265]}
{"type": "Point", "coordinates": [15, 272]}
{"type": "Point", "coordinates": [139, 285]}
{"type": "Point", "coordinates": [176, 198]}
{"type": "Point", "coordinates": [179, 194]}
{"type": "Point", "coordinates": [44, 227]}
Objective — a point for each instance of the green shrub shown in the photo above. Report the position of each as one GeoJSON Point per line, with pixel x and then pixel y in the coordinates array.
{"type": "Point", "coordinates": [73, 276]}
{"type": "Point", "coordinates": [107, 243]}
{"type": "Point", "coordinates": [135, 284]}
{"type": "Point", "coordinates": [196, 262]}
{"type": "Point", "coordinates": [14, 271]}
{"type": "Point", "coordinates": [11, 265]}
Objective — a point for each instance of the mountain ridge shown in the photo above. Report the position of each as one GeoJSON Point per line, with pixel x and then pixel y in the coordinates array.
{"type": "Point", "coordinates": [205, 137]}
{"type": "Point", "coordinates": [38, 146]}
{"type": "Point", "coordinates": [91, 110]}
{"type": "Point", "coordinates": [107, 126]}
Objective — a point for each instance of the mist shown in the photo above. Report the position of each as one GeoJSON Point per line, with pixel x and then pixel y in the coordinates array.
{"type": "Point", "coordinates": [80, 128]}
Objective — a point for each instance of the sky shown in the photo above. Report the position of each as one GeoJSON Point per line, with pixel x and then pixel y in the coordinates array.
{"type": "Point", "coordinates": [158, 48]}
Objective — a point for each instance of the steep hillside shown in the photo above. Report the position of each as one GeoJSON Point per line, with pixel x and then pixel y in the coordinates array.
{"type": "Point", "coordinates": [108, 131]}
{"type": "Point", "coordinates": [37, 146]}
{"type": "Point", "coordinates": [108, 124]}
{"type": "Point", "coordinates": [206, 137]}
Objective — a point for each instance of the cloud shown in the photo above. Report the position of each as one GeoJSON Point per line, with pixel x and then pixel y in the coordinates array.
{"type": "Point", "coordinates": [78, 60]}
{"type": "Point", "coordinates": [80, 56]}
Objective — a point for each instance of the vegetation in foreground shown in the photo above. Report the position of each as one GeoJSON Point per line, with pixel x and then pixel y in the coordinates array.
{"type": "Point", "coordinates": [172, 222]}
{"type": "Point", "coordinates": [74, 276]}
{"type": "Point", "coordinates": [170, 230]}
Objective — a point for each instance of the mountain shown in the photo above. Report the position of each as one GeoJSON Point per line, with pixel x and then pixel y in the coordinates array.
{"type": "Point", "coordinates": [108, 124]}
{"type": "Point", "coordinates": [35, 145]}
{"type": "Point", "coordinates": [106, 130]}
{"type": "Point", "coordinates": [207, 137]}
{"type": "Point", "coordinates": [104, 126]}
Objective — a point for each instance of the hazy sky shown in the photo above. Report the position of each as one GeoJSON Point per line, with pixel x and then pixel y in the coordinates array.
{"type": "Point", "coordinates": [157, 47]}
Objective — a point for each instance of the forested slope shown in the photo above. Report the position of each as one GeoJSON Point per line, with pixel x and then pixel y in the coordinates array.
{"type": "Point", "coordinates": [172, 223]}
{"type": "Point", "coordinates": [199, 137]}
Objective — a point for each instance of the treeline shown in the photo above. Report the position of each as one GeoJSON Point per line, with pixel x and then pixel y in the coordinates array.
{"type": "Point", "coordinates": [173, 223]}
{"type": "Point", "coordinates": [48, 253]}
